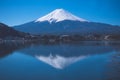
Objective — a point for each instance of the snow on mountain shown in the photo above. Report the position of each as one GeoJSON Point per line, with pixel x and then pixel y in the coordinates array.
{"type": "Point", "coordinates": [62, 22]}
{"type": "Point", "coordinates": [59, 15]}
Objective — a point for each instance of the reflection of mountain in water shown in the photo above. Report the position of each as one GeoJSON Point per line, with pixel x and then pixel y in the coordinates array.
{"type": "Point", "coordinates": [58, 55]}
{"type": "Point", "coordinates": [7, 47]}
{"type": "Point", "coordinates": [59, 62]}
{"type": "Point", "coordinates": [61, 55]}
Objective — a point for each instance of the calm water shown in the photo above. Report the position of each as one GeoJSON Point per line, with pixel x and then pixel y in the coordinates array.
{"type": "Point", "coordinates": [72, 61]}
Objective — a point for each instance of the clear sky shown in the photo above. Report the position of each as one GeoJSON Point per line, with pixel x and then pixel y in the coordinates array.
{"type": "Point", "coordinates": [15, 12]}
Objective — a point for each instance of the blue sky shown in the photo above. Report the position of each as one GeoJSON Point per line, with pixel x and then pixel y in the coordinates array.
{"type": "Point", "coordinates": [15, 12]}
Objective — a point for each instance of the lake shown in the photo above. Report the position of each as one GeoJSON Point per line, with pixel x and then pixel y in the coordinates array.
{"type": "Point", "coordinates": [85, 60]}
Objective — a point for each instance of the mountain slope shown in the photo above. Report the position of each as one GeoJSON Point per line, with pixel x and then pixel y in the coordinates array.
{"type": "Point", "coordinates": [62, 22]}
{"type": "Point", "coordinates": [6, 31]}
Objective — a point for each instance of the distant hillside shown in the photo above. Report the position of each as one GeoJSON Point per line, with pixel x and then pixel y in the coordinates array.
{"type": "Point", "coordinates": [7, 32]}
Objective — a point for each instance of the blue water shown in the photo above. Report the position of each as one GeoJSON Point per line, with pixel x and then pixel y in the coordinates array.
{"type": "Point", "coordinates": [79, 61]}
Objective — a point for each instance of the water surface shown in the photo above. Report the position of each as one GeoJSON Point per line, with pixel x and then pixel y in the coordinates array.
{"type": "Point", "coordinates": [87, 60]}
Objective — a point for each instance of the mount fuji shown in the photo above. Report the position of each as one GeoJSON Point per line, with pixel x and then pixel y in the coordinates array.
{"type": "Point", "coordinates": [61, 21]}
{"type": "Point", "coordinates": [59, 15]}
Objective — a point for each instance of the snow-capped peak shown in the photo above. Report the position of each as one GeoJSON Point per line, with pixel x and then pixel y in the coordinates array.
{"type": "Point", "coordinates": [59, 15]}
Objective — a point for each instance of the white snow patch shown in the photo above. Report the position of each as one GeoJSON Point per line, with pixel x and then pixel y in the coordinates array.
{"type": "Point", "coordinates": [59, 15]}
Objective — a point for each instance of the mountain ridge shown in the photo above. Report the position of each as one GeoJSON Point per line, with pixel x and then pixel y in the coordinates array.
{"type": "Point", "coordinates": [65, 25]}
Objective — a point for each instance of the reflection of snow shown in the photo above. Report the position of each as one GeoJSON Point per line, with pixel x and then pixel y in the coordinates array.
{"type": "Point", "coordinates": [59, 62]}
